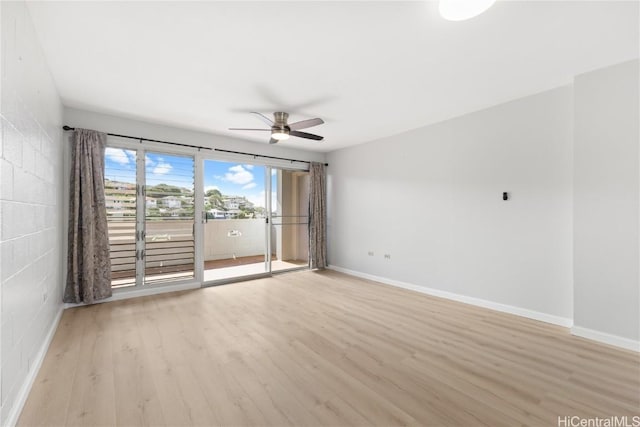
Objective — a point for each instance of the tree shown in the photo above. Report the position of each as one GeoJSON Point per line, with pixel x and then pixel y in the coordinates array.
{"type": "Point", "coordinates": [215, 199]}
{"type": "Point", "coordinates": [163, 190]}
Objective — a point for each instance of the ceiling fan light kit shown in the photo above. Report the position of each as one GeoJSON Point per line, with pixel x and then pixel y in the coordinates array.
{"type": "Point", "coordinates": [280, 135]}
{"type": "Point", "coordinates": [281, 130]}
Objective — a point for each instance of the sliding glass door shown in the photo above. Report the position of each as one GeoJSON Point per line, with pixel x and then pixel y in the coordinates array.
{"type": "Point", "coordinates": [255, 220]}
{"type": "Point", "coordinates": [150, 213]}
{"type": "Point", "coordinates": [235, 214]}
{"type": "Point", "coordinates": [240, 220]}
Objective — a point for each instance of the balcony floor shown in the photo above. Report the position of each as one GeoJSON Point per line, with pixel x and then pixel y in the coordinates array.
{"type": "Point", "coordinates": [245, 266]}
{"type": "Point", "coordinates": [213, 270]}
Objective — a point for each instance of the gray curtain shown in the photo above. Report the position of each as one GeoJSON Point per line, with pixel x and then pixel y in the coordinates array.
{"type": "Point", "coordinates": [88, 262]}
{"type": "Point", "coordinates": [317, 216]}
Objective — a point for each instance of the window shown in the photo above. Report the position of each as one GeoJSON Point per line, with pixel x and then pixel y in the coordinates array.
{"type": "Point", "coordinates": [150, 214]}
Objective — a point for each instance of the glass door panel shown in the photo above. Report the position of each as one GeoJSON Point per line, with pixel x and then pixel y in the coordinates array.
{"type": "Point", "coordinates": [289, 219]}
{"type": "Point", "coordinates": [234, 220]}
{"type": "Point", "coordinates": [169, 253]}
{"type": "Point", "coordinates": [120, 201]}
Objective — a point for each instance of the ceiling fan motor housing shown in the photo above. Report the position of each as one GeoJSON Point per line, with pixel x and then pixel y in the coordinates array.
{"type": "Point", "coordinates": [280, 118]}
{"type": "Point", "coordinates": [280, 123]}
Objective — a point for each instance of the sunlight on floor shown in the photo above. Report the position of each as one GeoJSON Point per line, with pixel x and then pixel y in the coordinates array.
{"type": "Point", "coordinates": [247, 270]}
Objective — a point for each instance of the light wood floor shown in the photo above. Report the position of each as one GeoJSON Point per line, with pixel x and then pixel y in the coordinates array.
{"type": "Point", "coordinates": [314, 348]}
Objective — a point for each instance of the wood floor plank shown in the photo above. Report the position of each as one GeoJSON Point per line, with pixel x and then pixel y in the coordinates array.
{"type": "Point", "coordinates": [137, 400]}
{"type": "Point", "coordinates": [93, 382]}
{"type": "Point", "coordinates": [320, 349]}
{"type": "Point", "coordinates": [51, 391]}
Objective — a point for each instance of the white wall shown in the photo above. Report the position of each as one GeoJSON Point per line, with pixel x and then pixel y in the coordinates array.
{"type": "Point", "coordinates": [218, 244]}
{"type": "Point", "coordinates": [30, 200]}
{"type": "Point", "coordinates": [606, 206]}
{"type": "Point", "coordinates": [431, 198]}
{"type": "Point", "coordinates": [292, 239]}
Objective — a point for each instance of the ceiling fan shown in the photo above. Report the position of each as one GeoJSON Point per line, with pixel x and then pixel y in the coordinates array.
{"type": "Point", "coordinates": [281, 130]}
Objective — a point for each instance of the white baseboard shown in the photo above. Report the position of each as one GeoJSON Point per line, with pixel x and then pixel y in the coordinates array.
{"type": "Point", "coordinates": [23, 393]}
{"type": "Point", "coordinates": [135, 293]}
{"type": "Point", "coordinates": [530, 314]}
{"type": "Point", "coordinates": [605, 338]}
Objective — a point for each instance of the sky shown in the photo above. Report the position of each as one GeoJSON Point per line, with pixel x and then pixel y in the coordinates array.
{"type": "Point", "coordinates": [236, 179]}
{"type": "Point", "coordinates": [232, 179]}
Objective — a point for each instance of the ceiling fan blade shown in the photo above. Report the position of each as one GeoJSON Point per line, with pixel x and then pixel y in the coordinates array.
{"type": "Point", "coordinates": [303, 124]}
{"type": "Point", "coordinates": [306, 135]}
{"type": "Point", "coordinates": [273, 141]}
{"type": "Point", "coordinates": [248, 129]}
{"type": "Point", "coordinates": [264, 118]}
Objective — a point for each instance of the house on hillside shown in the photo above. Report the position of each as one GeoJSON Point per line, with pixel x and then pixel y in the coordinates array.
{"type": "Point", "coordinates": [236, 202]}
{"type": "Point", "coordinates": [171, 202]}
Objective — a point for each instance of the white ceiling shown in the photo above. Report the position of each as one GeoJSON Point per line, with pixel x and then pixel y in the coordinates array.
{"type": "Point", "coordinates": [369, 69]}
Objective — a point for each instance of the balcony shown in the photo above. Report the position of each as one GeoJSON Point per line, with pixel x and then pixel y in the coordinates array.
{"type": "Point", "coordinates": [232, 248]}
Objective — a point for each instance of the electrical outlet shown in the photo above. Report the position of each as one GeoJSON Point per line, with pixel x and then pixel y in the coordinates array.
{"type": "Point", "coordinates": [370, 253]}
{"type": "Point", "coordinates": [387, 256]}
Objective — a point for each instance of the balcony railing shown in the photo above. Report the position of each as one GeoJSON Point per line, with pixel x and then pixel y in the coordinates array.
{"type": "Point", "coordinates": [170, 250]}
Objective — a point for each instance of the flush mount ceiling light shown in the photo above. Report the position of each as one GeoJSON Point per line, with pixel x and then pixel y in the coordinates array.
{"type": "Point", "coordinates": [459, 10]}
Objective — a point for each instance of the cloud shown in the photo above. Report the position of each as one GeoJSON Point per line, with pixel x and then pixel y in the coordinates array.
{"type": "Point", "coordinates": [117, 155]}
{"type": "Point", "coordinates": [250, 167]}
{"type": "Point", "coordinates": [148, 162]}
{"type": "Point", "coordinates": [249, 186]}
{"type": "Point", "coordinates": [257, 199]}
{"type": "Point", "coordinates": [238, 175]}
{"type": "Point", "coordinates": [162, 168]}
{"type": "Point", "coordinates": [211, 187]}
{"type": "Point", "coordinates": [274, 171]}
